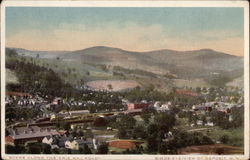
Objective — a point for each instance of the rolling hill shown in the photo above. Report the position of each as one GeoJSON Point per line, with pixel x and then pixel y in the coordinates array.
{"type": "Point", "coordinates": [188, 64]}
{"type": "Point", "coordinates": [163, 68]}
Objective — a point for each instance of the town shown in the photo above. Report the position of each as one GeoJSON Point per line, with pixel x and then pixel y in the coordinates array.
{"type": "Point", "coordinates": [139, 121]}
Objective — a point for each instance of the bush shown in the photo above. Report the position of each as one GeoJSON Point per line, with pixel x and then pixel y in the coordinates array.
{"type": "Point", "coordinates": [224, 138]}
{"type": "Point", "coordinates": [103, 148]}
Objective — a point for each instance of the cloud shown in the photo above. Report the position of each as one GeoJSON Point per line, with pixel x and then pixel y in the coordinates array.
{"type": "Point", "coordinates": [129, 36]}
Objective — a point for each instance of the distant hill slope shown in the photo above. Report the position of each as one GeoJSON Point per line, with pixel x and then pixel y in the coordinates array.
{"type": "Point", "coordinates": [187, 64]}
{"type": "Point", "coordinates": [40, 54]}
{"type": "Point", "coordinates": [164, 66]}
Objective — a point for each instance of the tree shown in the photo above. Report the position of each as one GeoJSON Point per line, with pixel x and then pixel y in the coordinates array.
{"type": "Point", "coordinates": [224, 139]}
{"type": "Point", "coordinates": [46, 149]}
{"type": "Point", "coordinates": [204, 120]}
{"type": "Point", "coordinates": [127, 122]}
{"type": "Point", "coordinates": [152, 143]}
{"type": "Point", "coordinates": [80, 133]}
{"type": "Point", "coordinates": [121, 133]}
{"type": "Point", "coordinates": [152, 129]}
{"type": "Point", "coordinates": [85, 150]}
{"type": "Point", "coordinates": [165, 121]}
{"type": "Point", "coordinates": [10, 52]}
{"type": "Point", "coordinates": [110, 87]}
{"type": "Point", "coordinates": [146, 113]}
{"type": "Point", "coordinates": [103, 148]}
{"type": "Point", "coordinates": [167, 148]}
{"type": "Point", "coordinates": [10, 149]}
{"type": "Point", "coordinates": [237, 117]}
{"type": "Point", "coordinates": [64, 125]}
{"type": "Point", "coordinates": [206, 140]}
{"type": "Point", "coordinates": [34, 149]}
{"type": "Point", "coordinates": [55, 151]}
{"type": "Point", "coordinates": [139, 132]}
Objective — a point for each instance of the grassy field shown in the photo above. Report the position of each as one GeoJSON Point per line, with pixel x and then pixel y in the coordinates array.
{"type": "Point", "coordinates": [190, 83]}
{"type": "Point", "coordinates": [116, 85]}
{"type": "Point", "coordinates": [11, 77]}
{"type": "Point", "coordinates": [236, 135]}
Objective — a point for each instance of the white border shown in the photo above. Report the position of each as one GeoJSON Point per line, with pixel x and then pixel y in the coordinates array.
{"type": "Point", "coordinates": [243, 4]}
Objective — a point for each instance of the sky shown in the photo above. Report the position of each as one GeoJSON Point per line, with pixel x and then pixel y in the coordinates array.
{"type": "Point", "coordinates": [134, 29]}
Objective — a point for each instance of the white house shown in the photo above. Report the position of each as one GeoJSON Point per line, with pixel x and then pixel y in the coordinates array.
{"type": "Point", "coordinates": [76, 143]}
{"type": "Point", "coordinates": [72, 145]}
{"type": "Point", "coordinates": [47, 140]}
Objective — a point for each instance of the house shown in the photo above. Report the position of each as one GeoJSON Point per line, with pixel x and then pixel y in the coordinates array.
{"type": "Point", "coordinates": [75, 144]}
{"type": "Point", "coordinates": [63, 139]}
{"type": "Point", "coordinates": [47, 140]}
{"type": "Point", "coordinates": [157, 104]}
{"type": "Point", "coordinates": [211, 124]}
{"type": "Point", "coordinates": [52, 141]}
{"type": "Point", "coordinates": [132, 106]}
{"type": "Point", "coordinates": [57, 101]}
{"type": "Point", "coordinates": [77, 125]}
{"type": "Point", "coordinates": [18, 94]}
{"type": "Point", "coordinates": [71, 144]}
{"type": "Point", "coordinates": [23, 135]}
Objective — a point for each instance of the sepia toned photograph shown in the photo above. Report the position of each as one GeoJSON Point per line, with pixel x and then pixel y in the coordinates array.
{"type": "Point", "coordinates": [124, 80]}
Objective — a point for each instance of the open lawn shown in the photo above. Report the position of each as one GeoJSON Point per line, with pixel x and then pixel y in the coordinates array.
{"type": "Point", "coordinates": [235, 135]}
{"type": "Point", "coordinates": [190, 83]}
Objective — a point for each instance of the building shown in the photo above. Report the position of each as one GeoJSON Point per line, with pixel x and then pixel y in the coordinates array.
{"type": "Point", "coordinates": [57, 101]}
{"type": "Point", "coordinates": [24, 135]}
{"type": "Point", "coordinates": [76, 144]}
{"type": "Point", "coordinates": [132, 106]}
{"type": "Point", "coordinates": [52, 141]}
{"type": "Point", "coordinates": [18, 94]}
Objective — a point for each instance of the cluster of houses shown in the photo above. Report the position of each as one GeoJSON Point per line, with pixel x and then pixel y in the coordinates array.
{"type": "Point", "coordinates": [25, 135]}
{"type": "Point", "coordinates": [219, 106]}
{"type": "Point", "coordinates": [23, 99]}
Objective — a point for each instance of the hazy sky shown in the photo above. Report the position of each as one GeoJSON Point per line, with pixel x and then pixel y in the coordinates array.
{"type": "Point", "coordinates": [135, 29]}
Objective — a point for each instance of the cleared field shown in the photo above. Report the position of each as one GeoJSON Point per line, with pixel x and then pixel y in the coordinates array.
{"type": "Point", "coordinates": [190, 83]}
{"type": "Point", "coordinates": [112, 85]}
{"type": "Point", "coordinates": [238, 82]}
{"type": "Point", "coordinates": [11, 77]}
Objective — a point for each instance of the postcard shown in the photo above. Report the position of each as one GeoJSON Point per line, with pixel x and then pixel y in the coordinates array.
{"type": "Point", "coordinates": [98, 80]}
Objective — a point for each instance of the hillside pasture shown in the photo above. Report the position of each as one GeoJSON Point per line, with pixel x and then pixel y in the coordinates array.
{"type": "Point", "coordinates": [112, 85]}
